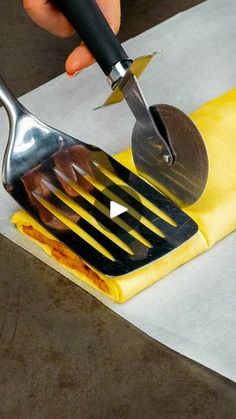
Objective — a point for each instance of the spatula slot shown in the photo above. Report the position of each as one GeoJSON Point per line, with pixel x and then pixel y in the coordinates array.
{"type": "Point", "coordinates": [83, 229]}
{"type": "Point", "coordinates": [86, 215]}
{"type": "Point", "coordinates": [108, 174]}
{"type": "Point", "coordinates": [98, 205]}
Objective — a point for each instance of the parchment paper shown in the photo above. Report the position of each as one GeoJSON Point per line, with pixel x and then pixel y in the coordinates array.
{"type": "Point", "coordinates": [193, 309]}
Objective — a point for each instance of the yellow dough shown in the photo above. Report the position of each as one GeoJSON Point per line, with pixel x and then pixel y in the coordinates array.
{"type": "Point", "coordinates": [215, 212]}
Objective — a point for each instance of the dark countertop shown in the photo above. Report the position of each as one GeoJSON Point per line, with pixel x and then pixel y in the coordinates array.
{"type": "Point", "coordinates": [62, 353]}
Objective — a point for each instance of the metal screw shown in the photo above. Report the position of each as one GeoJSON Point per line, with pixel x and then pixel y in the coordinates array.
{"type": "Point", "coordinates": [167, 158]}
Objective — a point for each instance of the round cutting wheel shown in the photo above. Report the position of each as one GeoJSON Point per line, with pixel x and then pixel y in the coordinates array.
{"type": "Point", "coordinates": [185, 179]}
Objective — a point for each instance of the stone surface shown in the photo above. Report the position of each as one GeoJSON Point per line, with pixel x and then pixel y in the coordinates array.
{"type": "Point", "coordinates": [65, 355]}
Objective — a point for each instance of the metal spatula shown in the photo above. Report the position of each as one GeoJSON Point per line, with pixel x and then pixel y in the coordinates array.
{"type": "Point", "coordinates": [68, 186]}
{"type": "Point", "coordinates": [168, 149]}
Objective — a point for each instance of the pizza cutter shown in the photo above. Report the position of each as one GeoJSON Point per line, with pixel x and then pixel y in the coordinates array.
{"type": "Point", "coordinates": [168, 149]}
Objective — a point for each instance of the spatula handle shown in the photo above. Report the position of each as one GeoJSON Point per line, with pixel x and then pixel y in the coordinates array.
{"type": "Point", "coordinates": [8, 100]}
{"type": "Point", "coordinates": [92, 27]}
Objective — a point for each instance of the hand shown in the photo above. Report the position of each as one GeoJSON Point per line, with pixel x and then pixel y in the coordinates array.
{"type": "Point", "coordinates": [45, 14]}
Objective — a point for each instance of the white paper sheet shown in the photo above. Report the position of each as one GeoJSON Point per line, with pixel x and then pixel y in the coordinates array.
{"type": "Point", "coordinates": [193, 309]}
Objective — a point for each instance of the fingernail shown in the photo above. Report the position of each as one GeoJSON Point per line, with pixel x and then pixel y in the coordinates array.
{"type": "Point", "coordinates": [73, 74]}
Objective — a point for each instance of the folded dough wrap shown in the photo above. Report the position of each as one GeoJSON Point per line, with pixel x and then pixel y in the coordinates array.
{"type": "Point", "coordinates": [215, 212]}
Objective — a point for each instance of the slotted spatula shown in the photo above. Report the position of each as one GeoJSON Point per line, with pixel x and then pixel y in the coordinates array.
{"type": "Point", "coordinates": [68, 186]}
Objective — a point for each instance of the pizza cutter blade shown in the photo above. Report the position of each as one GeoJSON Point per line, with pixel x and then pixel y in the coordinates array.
{"type": "Point", "coordinates": [167, 147]}
{"type": "Point", "coordinates": [184, 179]}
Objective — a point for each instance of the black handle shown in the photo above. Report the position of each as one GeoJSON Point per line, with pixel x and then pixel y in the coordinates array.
{"type": "Point", "coordinates": [91, 25]}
